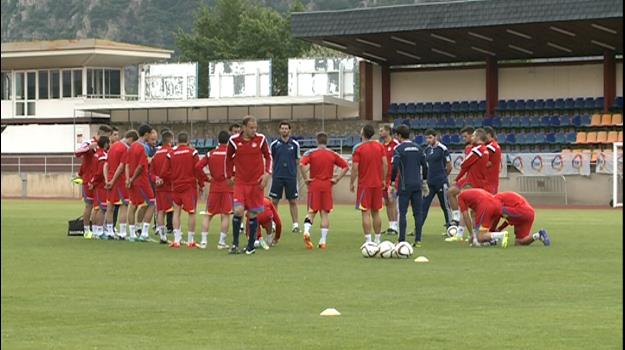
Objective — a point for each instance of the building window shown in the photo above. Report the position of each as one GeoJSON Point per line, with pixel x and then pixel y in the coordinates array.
{"type": "Point", "coordinates": [104, 82]}
{"type": "Point", "coordinates": [19, 108]}
{"type": "Point", "coordinates": [6, 85]}
{"type": "Point", "coordinates": [30, 107]}
{"type": "Point", "coordinates": [31, 83]}
{"type": "Point", "coordinates": [112, 82]}
{"type": "Point", "coordinates": [67, 83]}
{"type": "Point", "coordinates": [19, 85]}
{"type": "Point", "coordinates": [43, 84]}
{"type": "Point", "coordinates": [55, 84]}
{"type": "Point", "coordinates": [77, 82]}
{"type": "Point", "coordinates": [94, 82]}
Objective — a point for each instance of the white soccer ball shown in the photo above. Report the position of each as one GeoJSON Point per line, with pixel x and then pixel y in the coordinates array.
{"type": "Point", "coordinates": [403, 250]}
{"type": "Point", "coordinates": [452, 230]}
{"type": "Point", "coordinates": [386, 249]}
{"type": "Point", "coordinates": [369, 250]}
{"type": "Point", "coordinates": [256, 243]}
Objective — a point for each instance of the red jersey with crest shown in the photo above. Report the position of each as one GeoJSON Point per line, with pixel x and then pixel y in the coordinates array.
{"type": "Point", "coordinates": [369, 156]}
{"type": "Point", "coordinates": [136, 157]}
{"type": "Point", "coordinates": [215, 160]}
{"type": "Point", "coordinates": [117, 154]}
{"type": "Point", "coordinates": [475, 167]}
{"type": "Point", "coordinates": [322, 162]}
{"type": "Point", "coordinates": [180, 168]}
{"type": "Point", "coordinates": [89, 159]}
{"type": "Point", "coordinates": [390, 151]}
{"type": "Point", "coordinates": [97, 178]}
{"type": "Point", "coordinates": [158, 166]}
{"type": "Point", "coordinates": [250, 157]}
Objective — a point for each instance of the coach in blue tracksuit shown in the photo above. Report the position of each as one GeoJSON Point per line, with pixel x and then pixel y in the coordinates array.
{"type": "Point", "coordinates": [439, 166]}
{"type": "Point", "coordinates": [409, 163]}
{"type": "Point", "coordinates": [285, 153]}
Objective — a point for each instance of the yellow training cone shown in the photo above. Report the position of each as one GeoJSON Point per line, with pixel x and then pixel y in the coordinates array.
{"type": "Point", "coordinates": [421, 259]}
{"type": "Point", "coordinates": [330, 312]}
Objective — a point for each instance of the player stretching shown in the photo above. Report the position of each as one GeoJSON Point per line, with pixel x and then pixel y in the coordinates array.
{"type": "Point", "coordinates": [138, 184]}
{"type": "Point", "coordinates": [248, 152]}
{"type": "Point", "coordinates": [96, 185]}
{"type": "Point", "coordinates": [164, 195]}
{"type": "Point", "coordinates": [475, 167]}
{"type": "Point", "coordinates": [317, 169]}
{"type": "Point", "coordinates": [86, 152]}
{"type": "Point", "coordinates": [439, 167]}
{"type": "Point", "coordinates": [116, 182]}
{"type": "Point", "coordinates": [369, 166]}
{"type": "Point", "coordinates": [517, 212]}
{"type": "Point", "coordinates": [219, 201]}
{"type": "Point", "coordinates": [494, 160]}
{"type": "Point", "coordinates": [179, 170]}
{"type": "Point", "coordinates": [410, 165]}
{"type": "Point", "coordinates": [485, 213]}
{"type": "Point", "coordinates": [285, 154]}
{"type": "Point", "coordinates": [389, 201]}
{"type": "Point", "coordinates": [269, 219]}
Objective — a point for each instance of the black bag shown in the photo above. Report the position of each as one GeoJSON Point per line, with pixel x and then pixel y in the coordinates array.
{"type": "Point", "coordinates": [75, 227]}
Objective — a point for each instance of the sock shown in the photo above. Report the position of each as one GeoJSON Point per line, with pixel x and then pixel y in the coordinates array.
{"type": "Point", "coordinates": [161, 231]}
{"type": "Point", "coordinates": [253, 228]}
{"type": "Point", "coordinates": [109, 230]}
{"type": "Point", "coordinates": [132, 231]}
{"type": "Point", "coordinates": [455, 215]}
{"type": "Point", "coordinates": [236, 229]}
{"type": "Point", "coordinates": [368, 237]}
{"type": "Point", "coordinates": [122, 230]}
{"type": "Point", "coordinates": [269, 238]}
{"type": "Point", "coordinates": [190, 238]}
{"type": "Point", "coordinates": [324, 235]}
{"type": "Point", "coordinates": [177, 236]}
{"type": "Point", "coordinates": [496, 235]}
{"type": "Point", "coordinates": [460, 232]}
{"type": "Point", "coordinates": [378, 237]}
{"type": "Point", "coordinates": [536, 236]}
{"type": "Point", "coordinates": [204, 237]}
{"type": "Point", "coordinates": [295, 225]}
{"type": "Point", "coordinates": [222, 238]}
{"type": "Point", "coordinates": [307, 225]}
{"type": "Point", "coordinates": [394, 225]}
{"type": "Point", "coordinates": [86, 228]}
{"type": "Point", "coordinates": [145, 230]}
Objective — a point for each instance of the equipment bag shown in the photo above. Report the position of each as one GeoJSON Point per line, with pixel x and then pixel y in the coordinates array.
{"type": "Point", "coordinates": [75, 227]}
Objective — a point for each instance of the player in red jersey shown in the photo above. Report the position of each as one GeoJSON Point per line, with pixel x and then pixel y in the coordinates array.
{"type": "Point", "coordinates": [317, 169]}
{"type": "Point", "coordinates": [86, 152]}
{"type": "Point", "coordinates": [485, 213]}
{"type": "Point", "coordinates": [219, 201]}
{"type": "Point", "coordinates": [369, 166]}
{"type": "Point", "coordinates": [516, 211]}
{"type": "Point", "coordinates": [138, 183]}
{"type": "Point", "coordinates": [390, 201]}
{"type": "Point", "coordinates": [475, 168]}
{"type": "Point", "coordinates": [179, 170]}
{"type": "Point", "coordinates": [467, 136]}
{"type": "Point", "coordinates": [270, 220]}
{"type": "Point", "coordinates": [248, 152]}
{"type": "Point", "coordinates": [494, 161]}
{"type": "Point", "coordinates": [164, 195]}
{"type": "Point", "coordinates": [96, 185]}
{"type": "Point", "coordinates": [116, 182]}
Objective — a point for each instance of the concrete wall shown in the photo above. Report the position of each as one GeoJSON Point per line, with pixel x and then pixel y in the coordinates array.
{"type": "Point", "coordinates": [438, 85]}
{"type": "Point", "coordinates": [619, 78]}
{"type": "Point", "coordinates": [595, 190]}
{"type": "Point", "coordinates": [376, 104]}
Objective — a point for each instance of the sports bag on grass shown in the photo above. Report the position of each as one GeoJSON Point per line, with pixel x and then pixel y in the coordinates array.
{"type": "Point", "coordinates": [75, 227]}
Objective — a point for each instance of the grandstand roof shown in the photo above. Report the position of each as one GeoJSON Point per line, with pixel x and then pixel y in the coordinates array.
{"type": "Point", "coordinates": [77, 53]}
{"type": "Point", "coordinates": [465, 31]}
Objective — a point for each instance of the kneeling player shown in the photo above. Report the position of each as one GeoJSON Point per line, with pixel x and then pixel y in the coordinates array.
{"type": "Point", "coordinates": [269, 219]}
{"type": "Point", "coordinates": [517, 212]}
{"type": "Point", "coordinates": [485, 214]}
{"type": "Point", "coordinates": [317, 169]}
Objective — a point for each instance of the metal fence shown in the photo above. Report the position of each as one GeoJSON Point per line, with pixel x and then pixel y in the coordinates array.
{"type": "Point", "coordinates": [40, 163]}
{"type": "Point", "coordinates": [543, 186]}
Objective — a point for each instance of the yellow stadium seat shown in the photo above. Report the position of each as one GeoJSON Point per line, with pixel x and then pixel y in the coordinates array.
{"type": "Point", "coordinates": [591, 137]}
{"type": "Point", "coordinates": [602, 137]}
{"type": "Point", "coordinates": [612, 137]}
{"type": "Point", "coordinates": [620, 136]}
{"type": "Point", "coordinates": [581, 137]}
{"type": "Point", "coordinates": [617, 119]}
{"type": "Point", "coordinates": [595, 120]}
{"type": "Point", "coordinates": [595, 155]}
{"type": "Point", "coordinates": [606, 119]}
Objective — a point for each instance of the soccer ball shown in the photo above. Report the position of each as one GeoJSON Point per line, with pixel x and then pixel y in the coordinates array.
{"type": "Point", "coordinates": [386, 249]}
{"type": "Point", "coordinates": [256, 243]}
{"type": "Point", "coordinates": [403, 250]}
{"type": "Point", "coordinates": [452, 230]}
{"type": "Point", "coordinates": [369, 250]}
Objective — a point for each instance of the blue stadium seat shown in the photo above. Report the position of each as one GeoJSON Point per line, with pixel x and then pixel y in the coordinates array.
{"type": "Point", "coordinates": [530, 104]}
{"type": "Point", "coordinates": [427, 108]}
{"type": "Point", "coordinates": [586, 120]}
{"type": "Point", "coordinates": [419, 108]}
{"type": "Point", "coordinates": [530, 138]}
{"type": "Point", "coordinates": [440, 122]}
{"type": "Point", "coordinates": [468, 121]}
{"type": "Point", "coordinates": [550, 138]}
{"type": "Point", "coordinates": [437, 107]}
{"type": "Point", "coordinates": [496, 122]}
{"type": "Point", "coordinates": [406, 121]}
{"type": "Point", "coordinates": [481, 107]}
{"type": "Point", "coordinates": [487, 122]}
{"type": "Point", "coordinates": [478, 122]}
{"type": "Point", "coordinates": [589, 103]}
{"type": "Point", "coordinates": [549, 104]}
{"type": "Point", "coordinates": [501, 105]}
{"type": "Point", "coordinates": [519, 138]}
{"type": "Point", "coordinates": [397, 122]}
{"type": "Point", "coordinates": [506, 122]}
{"type": "Point", "coordinates": [451, 122]}
{"type": "Point", "coordinates": [446, 108]}
{"type": "Point", "coordinates": [565, 120]}
{"type": "Point", "coordinates": [520, 105]}
{"type": "Point", "coordinates": [464, 106]}
{"type": "Point", "coordinates": [545, 121]}
{"type": "Point", "coordinates": [560, 138]}
{"type": "Point", "coordinates": [455, 107]}
{"type": "Point", "coordinates": [415, 124]}
{"type": "Point", "coordinates": [419, 139]}
{"type": "Point", "coordinates": [576, 121]}
{"type": "Point", "coordinates": [579, 103]}
{"type": "Point", "coordinates": [571, 137]}
{"type": "Point", "coordinates": [599, 103]}
{"type": "Point", "coordinates": [539, 138]}
{"type": "Point", "coordinates": [474, 107]}
{"type": "Point", "coordinates": [411, 109]}
{"type": "Point", "coordinates": [455, 139]}
{"type": "Point", "coordinates": [510, 139]}
{"type": "Point", "coordinates": [618, 103]}
{"type": "Point", "coordinates": [511, 105]}
{"type": "Point", "coordinates": [515, 122]}
{"type": "Point", "coordinates": [535, 122]}
{"type": "Point", "coordinates": [446, 139]}
{"type": "Point", "coordinates": [559, 104]}
{"type": "Point", "coordinates": [525, 122]}
{"type": "Point", "coordinates": [401, 109]}
{"type": "Point", "coordinates": [554, 121]}
{"type": "Point", "coordinates": [569, 103]}
{"type": "Point", "coordinates": [392, 109]}
{"type": "Point", "coordinates": [539, 105]}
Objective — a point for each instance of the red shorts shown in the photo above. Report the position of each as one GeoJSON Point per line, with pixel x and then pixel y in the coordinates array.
{"type": "Point", "coordinates": [522, 218]}
{"type": "Point", "coordinates": [164, 201]}
{"type": "Point", "coordinates": [118, 193]}
{"type": "Point", "coordinates": [187, 199]}
{"type": "Point", "coordinates": [320, 201]}
{"type": "Point", "coordinates": [487, 217]}
{"type": "Point", "coordinates": [141, 193]}
{"type": "Point", "coordinates": [369, 198]}
{"type": "Point", "coordinates": [87, 194]}
{"type": "Point", "coordinates": [250, 197]}
{"type": "Point", "coordinates": [99, 197]}
{"type": "Point", "coordinates": [385, 192]}
{"type": "Point", "coordinates": [219, 203]}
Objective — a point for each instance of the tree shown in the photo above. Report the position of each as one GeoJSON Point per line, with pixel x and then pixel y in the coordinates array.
{"type": "Point", "coordinates": [240, 29]}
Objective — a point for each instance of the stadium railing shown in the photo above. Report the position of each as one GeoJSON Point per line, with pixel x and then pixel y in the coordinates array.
{"type": "Point", "coordinates": [543, 186]}
{"type": "Point", "coordinates": [39, 163]}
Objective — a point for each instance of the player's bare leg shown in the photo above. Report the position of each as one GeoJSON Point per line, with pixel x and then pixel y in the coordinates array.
{"type": "Point", "coordinates": [177, 228]}
{"type": "Point", "coordinates": [294, 214]}
{"type": "Point", "coordinates": [110, 209]}
{"type": "Point", "coordinates": [541, 235]}
{"type": "Point", "coordinates": [325, 226]}
{"type": "Point", "coordinates": [392, 213]}
{"type": "Point", "coordinates": [132, 209]}
{"type": "Point", "coordinates": [377, 225]}
{"type": "Point", "coordinates": [308, 223]}
{"type": "Point", "coordinates": [123, 220]}
{"type": "Point", "coordinates": [366, 224]}
{"type": "Point", "coordinates": [160, 226]}
{"type": "Point", "coordinates": [224, 227]}
{"type": "Point", "coordinates": [191, 230]}
{"type": "Point", "coordinates": [484, 236]}
{"type": "Point", "coordinates": [98, 221]}
{"type": "Point", "coordinates": [147, 219]}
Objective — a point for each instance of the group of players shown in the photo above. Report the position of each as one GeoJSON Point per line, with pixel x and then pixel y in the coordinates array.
{"type": "Point", "coordinates": [129, 179]}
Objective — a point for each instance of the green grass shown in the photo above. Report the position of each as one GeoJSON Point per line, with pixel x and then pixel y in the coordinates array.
{"type": "Point", "coordinates": [69, 293]}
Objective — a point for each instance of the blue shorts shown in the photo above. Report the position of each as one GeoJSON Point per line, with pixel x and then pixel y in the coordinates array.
{"type": "Point", "coordinates": [287, 186]}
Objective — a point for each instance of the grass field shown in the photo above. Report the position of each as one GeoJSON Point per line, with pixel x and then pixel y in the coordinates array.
{"type": "Point", "coordinates": [69, 293]}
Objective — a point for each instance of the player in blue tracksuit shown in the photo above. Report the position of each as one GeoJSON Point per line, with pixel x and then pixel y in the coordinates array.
{"type": "Point", "coordinates": [410, 165]}
{"type": "Point", "coordinates": [285, 154]}
{"type": "Point", "coordinates": [439, 167]}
